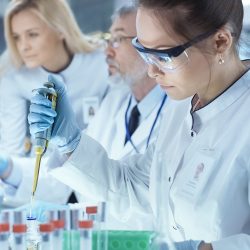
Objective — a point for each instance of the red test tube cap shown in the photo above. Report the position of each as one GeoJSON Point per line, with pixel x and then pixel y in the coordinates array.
{"type": "Point", "coordinates": [46, 228]}
{"type": "Point", "coordinates": [85, 224]}
{"type": "Point", "coordinates": [5, 227]}
{"type": "Point", "coordinates": [19, 228]}
{"type": "Point", "coordinates": [91, 210]}
{"type": "Point", "coordinates": [58, 224]}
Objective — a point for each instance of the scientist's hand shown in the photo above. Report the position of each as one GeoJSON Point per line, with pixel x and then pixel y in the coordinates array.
{"type": "Point", "coordinates": [66, 133]}
{"type": "Point", "coordinates": [5, 166]}
{"type": "Point", "coordinates": [40, 209]}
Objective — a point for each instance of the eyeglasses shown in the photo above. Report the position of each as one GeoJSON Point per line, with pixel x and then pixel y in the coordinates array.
{"type": "Point", "coordinates": [168, 59]}
{"type": "Point", "coordinates": [115, 42]}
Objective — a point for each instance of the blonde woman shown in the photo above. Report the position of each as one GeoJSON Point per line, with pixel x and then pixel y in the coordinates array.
{"type": "Point", "coordinates": [43, 38]}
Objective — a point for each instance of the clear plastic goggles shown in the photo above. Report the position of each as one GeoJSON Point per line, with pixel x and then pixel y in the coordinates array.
{"type": "Point", "coordinates": [164, 62]}
{"type": "Point", "coordinates": [167, 59]}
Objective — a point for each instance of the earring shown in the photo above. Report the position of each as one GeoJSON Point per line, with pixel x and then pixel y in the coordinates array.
{"type": "Point", "coordinates": [221, 60]}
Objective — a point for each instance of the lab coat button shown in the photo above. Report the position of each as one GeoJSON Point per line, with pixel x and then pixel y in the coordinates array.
{"type": "Point", "coordinates": [175, 228]}
{"type": "Point", "coordinates": [169, 178]}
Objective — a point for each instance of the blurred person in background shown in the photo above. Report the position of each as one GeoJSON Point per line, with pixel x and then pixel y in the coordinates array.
{"type": "Point", "coordinates": [126, 67]}
{"type": "Point", "coordinates": [44, 38]}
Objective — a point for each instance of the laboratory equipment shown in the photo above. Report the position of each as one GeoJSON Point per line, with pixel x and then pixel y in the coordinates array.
{"type": "Point", "coordinates": [33, 237]}
{"type": "Point", "coordinates": [126, 240]}
{"type": "Point", "coordinates": [19, 237]}
{"type": "Point", "coordinates": [46, 231]}
{"type": "Point", "coordinates": [58, 234]}
{"type": "Point", "coordinates": [4, 229]}
{"type": "Point", "coordinates": [71, 236]}
{"type": "Point", "coordinates": [74, 232]}
{"type": "Point", "coordinates": [102, 233]}
{"type": "Point", "coordinates": [57, 218]}
{"type": "Point", "coordinates": [42, 138]}
{"type": "Point", "coordinates": [85, 228]}
{"type": "Point", "coordinates": [91, 212]}
{"type": "Point", "coordinates": [98, 215]}
{"type": "Point", "coordinates": [4, 235]}
{"type": "Point", "coordinates": [19, 229]}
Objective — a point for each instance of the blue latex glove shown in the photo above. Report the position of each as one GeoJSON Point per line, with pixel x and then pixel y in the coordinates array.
{"type": "Point", "coordinates": [183, 245]}
{"type": "Point", "coordinates": [66, 133]}
{"type": "Point", "coordinates": [40, 209]}
{"type": "Point", "coordinates": [4, 165]}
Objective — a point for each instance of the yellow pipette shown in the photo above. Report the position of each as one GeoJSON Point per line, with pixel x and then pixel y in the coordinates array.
{"type": "Point", "coordinates": [42, 138]}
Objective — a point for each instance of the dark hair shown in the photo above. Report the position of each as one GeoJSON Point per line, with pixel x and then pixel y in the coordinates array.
{"type": "Point", "coordinates": [190, 18]}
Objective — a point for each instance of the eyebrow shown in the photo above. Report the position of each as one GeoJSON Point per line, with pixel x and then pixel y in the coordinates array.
{"type": "Point", "coordinates": [28, 30]}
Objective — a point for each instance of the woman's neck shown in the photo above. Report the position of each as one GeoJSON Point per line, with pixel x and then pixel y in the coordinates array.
{"type": "Point", "coordinates": [60, 62]}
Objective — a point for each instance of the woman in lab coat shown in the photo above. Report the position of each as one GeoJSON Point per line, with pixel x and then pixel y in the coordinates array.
{"type": "Point", "coordinates": [196, 177]}
{"type": "Point", "coordinates": [43, 38]}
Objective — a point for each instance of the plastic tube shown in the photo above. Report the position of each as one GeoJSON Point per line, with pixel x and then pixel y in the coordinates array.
{"type": "Point", "coordinates": [19, 236]}
{"type": "Point", "coordinates": [4, 235]}
{"type": "Point", "coordinates": [58, 233]}
{"type": "Point", "coordinates": [85, 228]}
{"type": "Point", "coordinates": [33, 237]}
{"type": "Point", "coordinates": [46, 231]}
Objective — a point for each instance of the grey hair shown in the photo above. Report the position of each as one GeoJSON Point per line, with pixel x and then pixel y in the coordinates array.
{"type": "Point", "coordinates": [124, 11]}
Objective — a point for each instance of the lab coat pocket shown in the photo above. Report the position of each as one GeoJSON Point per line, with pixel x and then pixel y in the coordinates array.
{"type": "Point", "coordinates": [195, 177]}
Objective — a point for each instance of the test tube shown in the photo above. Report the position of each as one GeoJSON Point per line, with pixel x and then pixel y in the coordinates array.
{"type": "Point", "coordinates": [85, 228]}
{"type": "Point", "coordinates": [102, 233]}
{"type": "Point", "coordinates": [4, 229]}
{"type": "Point", "coordinates": [91, 212]}
{"type": "Point", "coordinates": [19, 236]}
{"type": "Point", "coordinates": [4, 235]}
{"type": "Point", "coordinates": [57, 218]}
{"type": "Point", "coordinates": [46, 231]}
{"type": "Point", "coordinates": [74, 233]}
{"type": "Point", "coordinates": [33, 237]}
{"type": "Point", "coordinates": [19, 231]}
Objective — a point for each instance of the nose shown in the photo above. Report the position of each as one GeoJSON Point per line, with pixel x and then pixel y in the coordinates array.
{"type": "Point", "coordinates": [23, 45]}
{"type": "Point", "coordinates": [154, 71]}
{"type": "Point", "coordinates": [109, 51]}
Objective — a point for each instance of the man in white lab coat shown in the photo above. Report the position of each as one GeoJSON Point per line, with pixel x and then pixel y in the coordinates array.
{"type": "Point", "coordinates": [111, 124]}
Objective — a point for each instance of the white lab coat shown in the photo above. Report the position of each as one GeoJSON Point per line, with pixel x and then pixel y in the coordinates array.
{"type": "Point", "coordinates": [108, 126]}
{"type": "Point", "coordinates": [86, 77]}
{"type": "Point", "coordinates": [206, 176]}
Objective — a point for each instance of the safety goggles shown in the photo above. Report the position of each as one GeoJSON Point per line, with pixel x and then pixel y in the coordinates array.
{"type": "Point", "coordinates": [168, 59]}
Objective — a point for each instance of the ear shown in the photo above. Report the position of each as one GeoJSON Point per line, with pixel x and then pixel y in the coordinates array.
{"type": "Point", "coordinates": [223, 40]}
